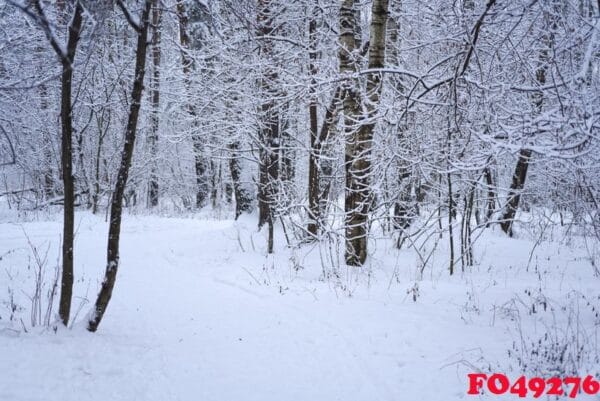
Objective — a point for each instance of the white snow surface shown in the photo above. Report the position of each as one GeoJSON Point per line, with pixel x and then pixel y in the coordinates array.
{"type": "Point", "coordinates": [200, 312]}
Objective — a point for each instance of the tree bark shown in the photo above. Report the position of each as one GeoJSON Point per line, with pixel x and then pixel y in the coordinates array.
{"type": "Point", "coordinates": [351, 106]}
{"type": "Point", "coordinates": [66, 117]}
{"type": "Point", "coordinates": [537, 98]}
{"type": "Point", "coordinates": [404, 205]}
{"type": "Point", "coordinates": [359, 133]}
{"type": "Point", "coordinates": [48, 175]}
{"type": "Point", "coordinates": [514, 194]}
{"type": "Point", "coordinates": [155, 99]}
{"type": "Point", "coordinates": [114, 233]}
{"type": "Point", "coordinates": [320, 168]}
{"type": "Point", "coordinates": [491, 194]}
{"type": "Point", "coordinates": [313, 162]}
{"type": "Point", "coordinates": [318, 185]}
{"type": "Point", "coordinates": [243, 200]}
{"type": "Point", "coordinates": [269, 129]}
{"type": "Point", "coordinates": [200, 163]}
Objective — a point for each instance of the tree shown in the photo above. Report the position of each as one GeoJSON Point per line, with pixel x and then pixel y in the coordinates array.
{"type": "Point", "coordinates": [269, 133]}
{"type": "Point", "coordinates": [116, 209]}
{"type": "Point", "coordinates": [519, 176]}
{"type": "Point", "coordinates": [314, 190]}
{"type": "Point", "coordinates": [187, 43]}
{"type": "Point", "coordinates": [359, 117]}
{"type": "Point", "coordinates": [66, 56]}
{"type": "Point", "coordinates": [66, 117]}
{"type": "Point", "coordinates": [155, 99]}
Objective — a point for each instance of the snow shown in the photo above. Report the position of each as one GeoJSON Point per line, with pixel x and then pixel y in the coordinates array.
{"type": "Point", "coordinates": [196, 317]}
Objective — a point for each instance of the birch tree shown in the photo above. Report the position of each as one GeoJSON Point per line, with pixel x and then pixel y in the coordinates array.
{"type": "Point", "coordinates": [359, 120]}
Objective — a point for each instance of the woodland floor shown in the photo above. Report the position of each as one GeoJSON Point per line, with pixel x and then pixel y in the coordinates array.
{"type": "Point", "coordinates": [200, 312]}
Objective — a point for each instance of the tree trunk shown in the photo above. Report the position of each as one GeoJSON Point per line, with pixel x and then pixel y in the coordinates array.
{"type": "Point", "coordinates": [287, 150]}
{"type": "Point", "coordinates": [359, 134]}
{"type": "Point", "coordinates": [404, 205]}
{"type": "Point", "coordinates": [269, 129]}
{"type": "Point", "coordinates": [514, 194]}
{"type": "Point", "coordinates": [215, 182]}
{"type": "Point", "coordinates": [313, 162]}
{"type": "Point", "coordinates": [102, 130]}
{"type": "Point", "coordinates": [112, 260]}
{"type": "Point", "coordinates": [537, 98]}
{"type": "Point", "coordinates": [200, 163]}
{"type": "Point", "coordinates": [323, 148]}
{"type": "Point", "coordinates": [66, 117]}
{"type": "Point", "coordinates": [48, 175]}
{"type": "Point", "coordinates": [351, 105]}
{"type": "Point", "coordinates": [243, 200]}
{"type": "Point", "coordinates": [155, 99]}
{"type": "Point", "coordinates": [491, 195]}
{"type": "Point", "coordinates": [83, 181]}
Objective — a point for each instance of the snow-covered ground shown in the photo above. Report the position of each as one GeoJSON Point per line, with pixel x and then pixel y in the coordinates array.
{"type": "Point", "coordinates": [200, 312]}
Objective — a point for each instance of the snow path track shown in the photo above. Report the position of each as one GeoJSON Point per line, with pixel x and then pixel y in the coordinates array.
{"type": "Point", "coordinates": [188, 323]}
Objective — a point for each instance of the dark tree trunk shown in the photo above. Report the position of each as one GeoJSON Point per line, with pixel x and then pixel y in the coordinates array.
{"type": "Point", "coordinates": [243, 200]}
{"type": "Point", "coordinates": [262, 195]}
{"type": "Point", "coordinates": [313, 163]}
{"type": "Point", "coordinates": [320, 169]}
{"type": "Point", "coordinates": [215, 182]}
{"type": "Point", "coordinates": [451, 216]}
{"type": "Point", "coordinates": [102, 133]}
{"type": "Point", "coordinates": [466, 230]}
{"type": "Point", "coordinates": [202, 186]}
{"type": "Point", "coordinates": [200, 163]}
{"type": "Point", "coordinates": [66, 117]}
{"type": "Point", "coordinates": [514, 193]}
{"type": "Point", "coordinates": [537, 99]}
{"type": "Point", "coordinates": [491, 194]}
{"type": "Point", "coordinates": [269, 165]}
{"type": "Point", "coordinates": [327, 131]}
{"type": "Point", "coordinates": [404, 205]}
{"type": "Point", "coordinates": [288, 153]}
{"type": "Point", "coordinates": [48, 175]}
{"type": "Point", "coordinates": [269, 130]}
{"type": "Point", "coordinates": [116, 208]}
{"type": "Point", "coordinates": [84, 184]}
{"type": "Point", "coordinates": [155, 99]}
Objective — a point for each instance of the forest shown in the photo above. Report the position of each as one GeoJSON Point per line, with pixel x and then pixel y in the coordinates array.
{"type": "Point", "coordinates": [299, 200]}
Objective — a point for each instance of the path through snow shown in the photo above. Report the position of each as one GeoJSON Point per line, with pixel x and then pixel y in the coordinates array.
{"type": "Point", "coordinates": [195, 318]}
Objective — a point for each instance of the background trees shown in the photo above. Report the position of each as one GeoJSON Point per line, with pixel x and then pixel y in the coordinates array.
{"type": "Point", "coordinates": [335, 120]}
